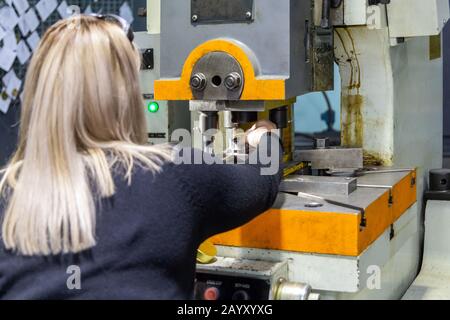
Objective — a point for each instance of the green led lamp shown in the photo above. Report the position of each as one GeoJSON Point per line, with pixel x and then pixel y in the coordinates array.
{"type": "Point", "coordinates": [153, 107]}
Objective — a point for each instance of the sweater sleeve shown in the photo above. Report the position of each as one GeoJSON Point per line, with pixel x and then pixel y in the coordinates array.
{"type": "Point", "coordinates": [226, 196]}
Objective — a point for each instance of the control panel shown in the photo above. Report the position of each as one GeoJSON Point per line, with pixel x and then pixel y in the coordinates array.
{"type": "Point", "coordinates": [233, 279]}
{"type": "Point", "coordinates": [223, 287]}
{"type": "Point", "coordinates": [238, 279]}
{"type": "Point", "coordinates": [162, 117]}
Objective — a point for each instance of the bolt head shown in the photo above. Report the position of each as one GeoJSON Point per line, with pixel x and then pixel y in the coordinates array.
{"type": "Point", "coordinates": [194, 18]}
{"type": "Point", "coordinates": [248, 15]}
{"type": "Point", "coordinates": [198, 82]}
{"type": "Point", "coordinates": [233, 81]}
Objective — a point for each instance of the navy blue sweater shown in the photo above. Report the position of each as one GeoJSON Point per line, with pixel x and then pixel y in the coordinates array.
{"type": "Point", "coordinates": [147, 235]}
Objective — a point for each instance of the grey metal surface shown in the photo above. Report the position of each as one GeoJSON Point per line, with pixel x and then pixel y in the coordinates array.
{"type": "Point", "coordinates": [292, 291]}
{"type": "Point", "coordinates": [243, 267]}
{"type": "Point", "coordinates": [221, 11]}
{"type": "Point", "coordinates": [216, 67]}
{"type": "Point", "coordinates": [332, 158]}
{"type": "Point", "coordinates": [322, 59]}
{"type": "Point", "coordinates": [319, 185]}
{"type": "Point", "coordinates": [384, 178]}
{"type": "Point", "coordinates": [221, 105]}
{"type": "Point", "coordinates": [361, 197]}
{"type": "Point", "coordinates": [171, 115]}
{"type": "Point", "coordinates": [293, 202]}
{"type": "Point", "coordinates": [274, 41]}
{"type": "Point", "coordinates": [433, 282]}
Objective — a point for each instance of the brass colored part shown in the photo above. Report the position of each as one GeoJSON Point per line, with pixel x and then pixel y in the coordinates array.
{"type": "Point", "coordinates": [292, 169]}
{"type": "Point", "coordinates": [435, 47]}
{"type": "Point", "coordinates": [269, 105]}
{"type": "Point", "coordinates": [206, 253]}
{"type": "Point", "coordinates": [277, 289]}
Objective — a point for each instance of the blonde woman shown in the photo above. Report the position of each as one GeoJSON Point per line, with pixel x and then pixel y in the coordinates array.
{"type": "Point", "coordinates": [88, 210]}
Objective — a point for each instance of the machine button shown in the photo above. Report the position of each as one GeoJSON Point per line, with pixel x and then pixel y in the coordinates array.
{"type": "Point", "coordinates": [240, 295]}
{"type": "Point", "coordinates": [212, 293]}
{"type": "Point", "coordinates": [153, 107]}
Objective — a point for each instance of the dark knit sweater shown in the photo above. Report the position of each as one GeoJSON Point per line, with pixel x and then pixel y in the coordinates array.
{"type": "Point", "coordinates": [147, 235]}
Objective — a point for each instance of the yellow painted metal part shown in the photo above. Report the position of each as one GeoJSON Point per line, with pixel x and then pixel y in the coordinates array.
{"type": "Point", "coordinates": [255, 88]}
{"type": "Point", "coordinates": [322, 232]}
{"type": "Point", "coordinates": [206, 253]}
{"type": "Point", "coordinates": [291, 169]}
{"type": "Point", "coordinates": [404, 194]}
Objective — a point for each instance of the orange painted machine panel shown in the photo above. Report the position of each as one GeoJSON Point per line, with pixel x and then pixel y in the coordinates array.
{"type": "Point", "coordinates": [255, 88]}
{"type": "Point", "coordinates": [323, 232]}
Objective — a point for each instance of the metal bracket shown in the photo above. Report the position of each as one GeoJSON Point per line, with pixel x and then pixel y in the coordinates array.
{"type": "Point", "coordinates": [148, 59]}
{"type": "Point", "coordinates": [221, 11]}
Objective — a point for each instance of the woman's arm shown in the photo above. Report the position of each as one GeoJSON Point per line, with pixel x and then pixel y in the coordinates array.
{"type": "Point", "coordinates": [228, 196]}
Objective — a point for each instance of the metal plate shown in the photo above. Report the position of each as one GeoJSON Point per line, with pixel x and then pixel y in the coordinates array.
{"type": "Point", "coordinates": [322, 186]}
{"type": "Point", "coordinates": [221, 11]}
{"type": "Point", "coordinates": [332, 158]}
{"type": "Point", "coordinates": [217, 65]}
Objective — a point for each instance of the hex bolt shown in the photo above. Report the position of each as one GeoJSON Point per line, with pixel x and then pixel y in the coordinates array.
{"type": "Point", "coordinates": [198, 82]}
{"type": "Point", "coordinates": [233, 81]}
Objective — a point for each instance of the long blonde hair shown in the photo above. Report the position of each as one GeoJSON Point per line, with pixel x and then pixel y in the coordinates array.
{"type": "Point", "coordinates": [82, 113]}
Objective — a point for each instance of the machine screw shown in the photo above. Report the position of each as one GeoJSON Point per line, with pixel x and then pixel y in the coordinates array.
{"type": "Point", "coordinates": [248, 15]}
{"type": "Point", "coordinates": [194, 18]}
{"type": "Point", "coordinates": [233, 81]}
{"type": "Point", "coordinates": [198, 82]}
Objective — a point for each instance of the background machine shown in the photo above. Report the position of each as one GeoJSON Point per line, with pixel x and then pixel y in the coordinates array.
{"type": "Point", "coordinates": [348, 222]}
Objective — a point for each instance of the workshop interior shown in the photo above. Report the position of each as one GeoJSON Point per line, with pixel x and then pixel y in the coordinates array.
{"type": "Point", "coordinates": [360, 93]}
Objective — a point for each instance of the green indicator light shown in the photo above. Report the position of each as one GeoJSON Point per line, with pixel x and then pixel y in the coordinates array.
{"type": "Point", "coordinates": [153, 107]}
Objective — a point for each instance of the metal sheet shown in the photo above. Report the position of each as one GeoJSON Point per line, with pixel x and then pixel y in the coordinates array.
{"type": "Point", "coordinates": [243, 267]}
{"type": "Point", "coordinates": [221, 11]}
{"type": "Point", "coordinates": [319, 185]}
{"type": "Point", "coordinates": [388, 179]}
{"type": "Point", "coordinates": [216, 67]}
{"type": "Point", "coordinates": [361, 197]}
{"type": "Point", "coordinates": [332, 158]}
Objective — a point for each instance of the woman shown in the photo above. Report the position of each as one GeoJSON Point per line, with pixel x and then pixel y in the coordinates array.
{"type": "Point", "coordinates": [88, 209]}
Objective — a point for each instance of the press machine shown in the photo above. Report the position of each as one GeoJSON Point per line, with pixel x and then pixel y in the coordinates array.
{"type": "Point", "coordinates": [347, 222]}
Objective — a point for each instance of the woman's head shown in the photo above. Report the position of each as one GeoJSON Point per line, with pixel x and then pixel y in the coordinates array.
{"type": "Point", "coordinates": [82, 101]}
{"type": "Point", "coordinates": [84, 77]}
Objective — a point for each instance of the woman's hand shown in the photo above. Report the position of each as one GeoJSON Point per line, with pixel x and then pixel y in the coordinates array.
{"type": "Point", "coordinates": [254, 135]}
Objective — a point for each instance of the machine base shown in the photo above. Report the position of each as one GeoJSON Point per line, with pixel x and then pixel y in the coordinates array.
{"type": "Point", "coordinates": [384, 271]}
